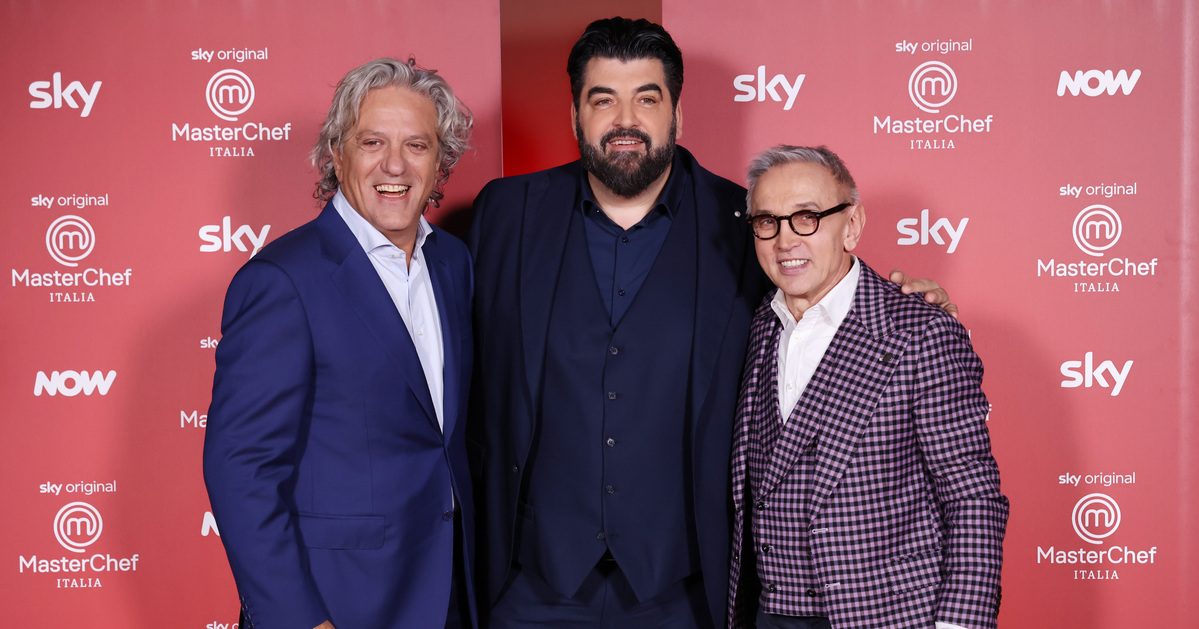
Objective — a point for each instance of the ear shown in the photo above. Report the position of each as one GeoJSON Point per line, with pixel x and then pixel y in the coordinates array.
{"type": "Point", "coordinates": [574, 121]}
{"type": "Point", "coordinates": [678, 117]}
{"type": "Point", "coordinates": [854, 226]}
{"type": "Point", "coordinates": [336, 152]}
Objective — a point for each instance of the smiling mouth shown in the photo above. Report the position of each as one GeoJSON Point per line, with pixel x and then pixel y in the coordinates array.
{"type": "Point", "coordinates": [392, 189]}
{"type": "Point", "coordinates": [794, 264]}
{"type": "Point", "coordinates": [624, 144]}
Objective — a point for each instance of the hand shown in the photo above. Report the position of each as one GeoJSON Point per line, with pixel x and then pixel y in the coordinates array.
{"type": "Point", "coordinates": [933, 293]}
{"type": "Point", "coordinates": [328, 624]}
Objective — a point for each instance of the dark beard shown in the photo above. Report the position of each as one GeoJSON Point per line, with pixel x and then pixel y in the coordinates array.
{"type": "Point", "coordinates": [626, 174]}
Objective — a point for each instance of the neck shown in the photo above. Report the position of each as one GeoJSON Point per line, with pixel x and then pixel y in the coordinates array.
{"type": "Point", "coordinates": [627, 211]}
{"type": "Point", "coordinates": [405, 242]}
{"type": "Point", "coordinates": [800, 304]}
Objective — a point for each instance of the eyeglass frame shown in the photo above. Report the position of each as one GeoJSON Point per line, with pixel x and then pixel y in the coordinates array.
{"type": "Point", "coordinates": [790, 222]}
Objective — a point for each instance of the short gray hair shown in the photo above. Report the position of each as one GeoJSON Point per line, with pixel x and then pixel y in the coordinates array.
{"type": "Point", "coordinates": [454, 120]}
{"type": "Point", "coordinates": [789, 154]}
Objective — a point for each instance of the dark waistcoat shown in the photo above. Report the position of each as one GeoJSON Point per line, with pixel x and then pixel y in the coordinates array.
{"type": "Point", "coordinates": [608, 468]}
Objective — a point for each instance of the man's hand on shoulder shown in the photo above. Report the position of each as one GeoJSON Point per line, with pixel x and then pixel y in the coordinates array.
{"type": "Point", "coordinates": [933, 293]}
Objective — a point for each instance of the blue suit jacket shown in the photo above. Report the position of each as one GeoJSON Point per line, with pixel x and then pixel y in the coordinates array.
{"type": "Point", "coordinates": [328, 475]}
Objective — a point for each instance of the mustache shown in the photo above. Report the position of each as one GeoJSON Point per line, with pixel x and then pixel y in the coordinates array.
{"type": "Point", "coordinates": [626, 134]}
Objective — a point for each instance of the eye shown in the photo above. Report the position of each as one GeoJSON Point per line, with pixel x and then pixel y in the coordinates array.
{"type": "Point", "coordinates": [648, 100]}
{"type": "Point", "coordinates": [601, 102]}
{"type": "Point", "coordinates": [418, 147]}
{"type": "Point", "coordinates": [370, 144]}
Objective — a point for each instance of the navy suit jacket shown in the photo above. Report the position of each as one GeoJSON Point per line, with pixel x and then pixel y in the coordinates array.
{"type": "Point", "coordinates": [329, 477]}
{"type": "Point", "coordinates": [518, 239]}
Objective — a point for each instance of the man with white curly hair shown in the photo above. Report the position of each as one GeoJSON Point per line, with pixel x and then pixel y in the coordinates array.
{"type": "Point", "coordinates": [335, 458]}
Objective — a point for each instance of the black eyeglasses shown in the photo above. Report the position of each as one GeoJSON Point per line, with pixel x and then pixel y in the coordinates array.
{"type": "Point", "coordinates": [803, 222]}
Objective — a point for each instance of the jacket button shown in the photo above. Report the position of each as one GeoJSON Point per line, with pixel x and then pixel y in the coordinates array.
{"type": "Point", "coordinates": [515, 469]}
{"type": "Point", "coordinates": [611, 489]}
{"type": "Point", "coordinates": [601, 536]}
{"type": "Point", "coordinates": [613, 350]}
{"type": "Point", "coordinates": [611, 395]}
{"type": "Point", "coordinates": [766, 548]}
{"type": "Point", "coordinates": [761, 506]}
{"type": "Point", "coordinates": [812, 592]}
{"type": "Point", "coordinates": [772, 588]}
{"type": "Point", "coordinates": [611, 443]}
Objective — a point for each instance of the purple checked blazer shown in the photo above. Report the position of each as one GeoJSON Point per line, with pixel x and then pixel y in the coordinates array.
{"type": "Point", "coordinates": [906, 520]}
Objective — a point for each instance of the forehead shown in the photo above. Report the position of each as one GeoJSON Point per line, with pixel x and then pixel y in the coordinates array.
{"type": "Point", "coordinates": [616, 74]}
{"type": "Point", "coordinates": [796, 183]}
{"type": "Point", "coordinates": [394, 105]}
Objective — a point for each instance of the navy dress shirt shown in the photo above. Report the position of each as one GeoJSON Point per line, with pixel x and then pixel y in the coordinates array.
{"type": "Point", "coordinates": [622, 258]}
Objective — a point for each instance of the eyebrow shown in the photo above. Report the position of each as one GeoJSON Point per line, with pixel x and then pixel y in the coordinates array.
{"type": "Point", "coordinates": [648, 87]}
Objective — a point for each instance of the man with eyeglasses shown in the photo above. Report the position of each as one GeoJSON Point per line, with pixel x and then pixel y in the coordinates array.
{"type": "Point", "coordinates": [863, 484]}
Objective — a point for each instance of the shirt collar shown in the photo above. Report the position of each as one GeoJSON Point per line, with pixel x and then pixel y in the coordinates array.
{"type": "Point", "coordinates": [668, 200]}
{"type": "Point", "coordinates": [368, 237]}
{"type": "Point", "coordinates": [831, 309]}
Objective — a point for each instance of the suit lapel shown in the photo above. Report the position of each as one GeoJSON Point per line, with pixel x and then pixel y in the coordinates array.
{"type": "Point", "coordinates": [840, 398]}
{"type": "Point", "coordinates": [361, 288]}
{"type": "Point", "coordinates": [866, 351]}
{"type": "Point", "coordinates": [548, 210]}
{"type": "Point", "coordinates": [718, 267]}
{"type": "Point", "coordinates": [451, 336]}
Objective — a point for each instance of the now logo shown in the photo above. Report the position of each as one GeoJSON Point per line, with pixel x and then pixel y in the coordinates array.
{"type": "Point", "coordinates": [71, 383]}
{"type": "Point", "coordinates": [1096, 82]}
{"type": "Point", "coordinates": [1086, 373]}
{"type": "Point", "coordinates": [919, 231]}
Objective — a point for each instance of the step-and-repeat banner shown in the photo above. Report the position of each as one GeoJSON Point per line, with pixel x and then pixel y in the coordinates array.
{"type": "Point", "coordinates": [153, 148]}
{"type": "Point", "coordinates": [1038, 161]}
{"type": "Point", "coordinates": [1029, 156]}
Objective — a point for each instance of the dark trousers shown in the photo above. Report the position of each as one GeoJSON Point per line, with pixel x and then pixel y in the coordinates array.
{"type": "Point", "coordinates": [605, 601]}
{"type": "Point", "coordinates": [775, 621]}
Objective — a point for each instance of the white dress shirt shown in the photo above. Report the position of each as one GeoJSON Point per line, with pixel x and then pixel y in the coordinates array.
{"type": "Point", "coordinates": [803, 343]}
{"type": "Point", "coordinates": [411, 290]}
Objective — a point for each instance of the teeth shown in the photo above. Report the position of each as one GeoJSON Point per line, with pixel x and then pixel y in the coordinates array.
{"type": "Point", "coordinates": [792, 264]}
{"type": "Point", "coordinates": [392, 187]}
{"type": "Point", "coordinates": [625, 142]}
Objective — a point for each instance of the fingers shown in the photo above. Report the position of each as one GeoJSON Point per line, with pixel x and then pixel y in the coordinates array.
{"type": "Point", "coordinates": [938, 297]}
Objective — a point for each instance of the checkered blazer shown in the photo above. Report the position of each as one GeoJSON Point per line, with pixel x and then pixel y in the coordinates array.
{"type": "Point", "coordinates": [906, 520]}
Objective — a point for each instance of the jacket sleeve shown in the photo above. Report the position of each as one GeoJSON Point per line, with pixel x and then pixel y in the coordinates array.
{"type": "Point", "coordinates": [950, 413]}
{"type": "Point", "coordinates": [259, 414]}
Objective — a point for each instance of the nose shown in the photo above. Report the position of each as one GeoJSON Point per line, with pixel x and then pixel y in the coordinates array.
{"type": "Point", "coordinates": [626, 116]}
{"type": "Point", "coordinates": [787, 238]}
{"type": "Point", "coordinates": [395, 161]}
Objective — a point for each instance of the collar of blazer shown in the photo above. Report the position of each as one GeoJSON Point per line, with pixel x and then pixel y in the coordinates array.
{"type": "Point", "coordinates": [360, 287]}
{"type": "Point", "coordinates": [864, 352]}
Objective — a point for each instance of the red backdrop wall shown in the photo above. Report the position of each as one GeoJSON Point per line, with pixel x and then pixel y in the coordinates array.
{"type": "Point", "coordinates": [1079, 159]}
